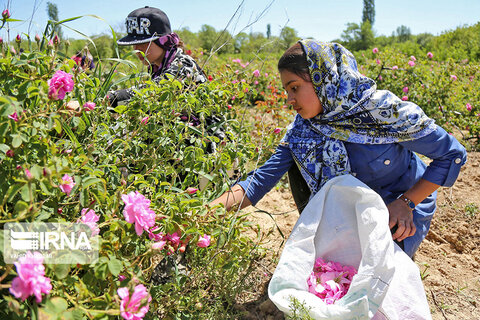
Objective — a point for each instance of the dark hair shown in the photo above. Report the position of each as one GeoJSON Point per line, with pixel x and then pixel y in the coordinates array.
{"type": "Point", "coordinates": [295, 60]}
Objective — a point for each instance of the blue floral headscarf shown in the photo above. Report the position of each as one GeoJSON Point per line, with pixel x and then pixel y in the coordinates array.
{"type": "Point", "coordinates": [353, 111]}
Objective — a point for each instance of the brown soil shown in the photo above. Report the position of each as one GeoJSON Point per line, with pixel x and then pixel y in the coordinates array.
{"type": "Point", "coordinates": [448, 259]}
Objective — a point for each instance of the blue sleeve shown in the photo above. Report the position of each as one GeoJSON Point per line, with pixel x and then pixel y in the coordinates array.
{"type": "Point", "coordinates": [447, 153]}
{"type": "Point", "coordinates": [263, 179]}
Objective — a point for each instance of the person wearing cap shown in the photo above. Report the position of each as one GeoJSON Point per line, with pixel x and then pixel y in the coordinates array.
{"type": "Point", "coordinates": [149, 32]}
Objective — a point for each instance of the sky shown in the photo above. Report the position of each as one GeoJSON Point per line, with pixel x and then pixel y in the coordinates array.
{"type": "Point", "coordinates": [320, 19]}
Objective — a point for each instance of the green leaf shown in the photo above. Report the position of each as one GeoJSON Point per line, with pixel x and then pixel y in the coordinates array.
{"type": "Point", "coordinates": [120, 108]}
{"type": "Point", "coordinates": [87, 182]}
{"type": "Point", "coordinates": [4, 128]}
{"type": "Point", "coordinates": [33, 91]}
{"type": "Point", "coordinates": [45, 213]}
{"type": "Point", "coordinates": [72, 136]}
{"type": "Point", "coordinates": [4, 148]}
{"type": "Point", "coordinates": [44, 188]}
{"type": "Point", "coordinates": [75, 314]}
{"type": "Point", "coordinates": [13, 190]}
{"type": "Point", "coordinates": [21, 207]}
{"type": "Point", "coordinates": [115, 266]}
{"type": "Point", "coordinates": [79, 124]}
{"type": "Point", "coordinates": [25, 193]}
{"type": "Point", "coordinates": [56, 305]}
{"type": "Point", "coordinates": [57, 126]}
{"type": "Point", "coordinates": [60, 270]}
{"type": "Point", "coordinates": [7, 105]}
{"type": "Point", "coordinates": [228, 265]}
{"type": "Point", "coordinates": [17, 140]}
{"type": "Point", "coordinates": [100, 268]}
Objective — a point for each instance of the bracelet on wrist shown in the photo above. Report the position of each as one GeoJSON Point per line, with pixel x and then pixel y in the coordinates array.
{"type": "Point", "coordinates": [408, 202]}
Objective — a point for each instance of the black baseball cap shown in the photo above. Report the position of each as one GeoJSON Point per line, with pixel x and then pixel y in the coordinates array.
{"type": "Point", "coordinates": [145, 25]}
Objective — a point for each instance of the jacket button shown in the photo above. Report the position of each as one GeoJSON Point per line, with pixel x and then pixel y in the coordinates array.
{"type": "Point", "coordinates": [386, 162]}
{"type": "Point", "coordinates": [458, 160]}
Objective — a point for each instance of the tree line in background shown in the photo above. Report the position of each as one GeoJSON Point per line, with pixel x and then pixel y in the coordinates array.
{"type": "Point", "coordinates": [459, 44]}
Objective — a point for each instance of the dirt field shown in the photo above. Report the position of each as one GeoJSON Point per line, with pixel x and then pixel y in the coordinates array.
{"type": "Point", "coordinates": [448, 259]}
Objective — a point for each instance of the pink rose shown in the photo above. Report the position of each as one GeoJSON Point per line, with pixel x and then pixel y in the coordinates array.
{"type": "Point", "coordinates": [137, 210]}
{"type": "Point", "coordinates": [330, 281]}
{"type": "Point", "coordinates": [30, 176]}
{"type": "Point", "coordinates": [5, 14]}
{"type": "Point", "coordinates": [411, 63]}
{"type": "Point", "coordinates": [174, 238]}
{"type": "Point", "coordinates": [135, 306]}
{"type": "Point", "coordinates": [204, 241]}
{"type": "Point", "coordinates": [256, 73]}
{"type": "Point", "coordinates": [469, 106]}
{"type": "Point", "coordinates": [378, 61]}
{"type": "Point", "coordinates": [394, 67]}
{"type": "Point", "coordinates": [191, 190]}
{"type": "Point", "coordinates": [429, 55]}
{"type": "Point", "coordinates": [67, 184]}
{"type": "Point", "coordinates": [453, 77]}
{"type": "Point", "coordinates": [413, 58]}
{"type": "Point", "coordinates": [404, 98]}
{"type": "Point", "coordinates": [31, 278]}
{"type": "Point", "coordinates": [277, 130]}
{"type": "Point", "coordinates": [375, 50]}
{"type": "Point", "coordinates": [89, 106]}
{"type": "Point", "coordinates": [90, 219]}
{"type": "Point", "coordinates": [14, 117]}
{"type": "Point", "coordinates": [159, 245]}
{"type": "Point", "coordinates": [405, 89]}
{"type": "Point", "coordinates": [59, 85]}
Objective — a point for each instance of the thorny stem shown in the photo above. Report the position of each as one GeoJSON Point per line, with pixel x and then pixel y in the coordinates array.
{"type": "Point", "coordinates": [7, 271]}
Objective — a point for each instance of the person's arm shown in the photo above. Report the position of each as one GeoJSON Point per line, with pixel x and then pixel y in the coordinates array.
{"type": "Point", "coordinates": [236, 195]}
{"type": "Point", "coordinates": [448, 156]}
{"type": "Point", "coordinates": [258, 182]}
{"type": "Point", "coordinates": [114, 97]}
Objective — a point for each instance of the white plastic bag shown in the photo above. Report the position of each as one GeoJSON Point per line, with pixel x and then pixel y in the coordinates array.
{"type": "Point", "coordinates": [347, 222]}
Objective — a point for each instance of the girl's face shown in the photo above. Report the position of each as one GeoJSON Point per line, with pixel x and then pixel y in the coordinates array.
{"type": "Point", "coordinates": [301, 95]}
{"type": "Point", "coordinates": [153, 53]}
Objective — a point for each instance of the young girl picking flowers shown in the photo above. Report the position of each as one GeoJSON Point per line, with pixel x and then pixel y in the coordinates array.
{"type": "Point", "coordinates": [345, 125]}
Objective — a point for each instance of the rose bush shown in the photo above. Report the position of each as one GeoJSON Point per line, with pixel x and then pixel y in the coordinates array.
{"type": "Point", "coordinates": [129, 174]}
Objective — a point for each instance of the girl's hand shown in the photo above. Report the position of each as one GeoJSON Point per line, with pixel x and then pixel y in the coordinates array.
{"type": "Point", "coordinates": [402, 217]}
